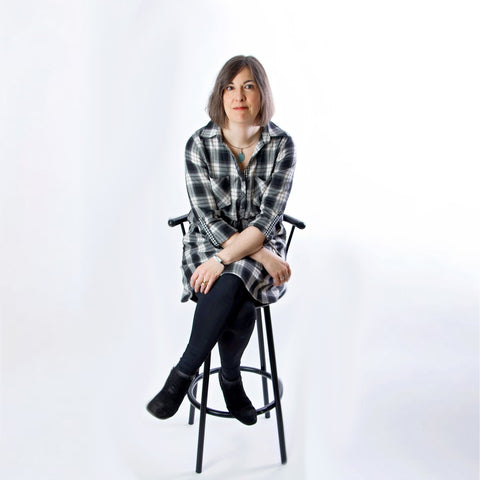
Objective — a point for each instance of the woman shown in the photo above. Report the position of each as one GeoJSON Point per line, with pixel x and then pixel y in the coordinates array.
{"type": "Point", "coordinates": [239, 172]}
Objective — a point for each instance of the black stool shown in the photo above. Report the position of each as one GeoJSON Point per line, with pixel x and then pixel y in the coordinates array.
{"type": "Point", "coordinates": [262, 371]}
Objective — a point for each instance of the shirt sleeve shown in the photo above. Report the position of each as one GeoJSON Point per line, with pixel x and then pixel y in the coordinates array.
{"type": "Point", "coordinates": [201, 197]}
{"type": "Point", "coordinates": [277, 190]}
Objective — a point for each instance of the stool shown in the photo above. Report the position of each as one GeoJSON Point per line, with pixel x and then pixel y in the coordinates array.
{"type": "Point", "coordinates": [262, 371]}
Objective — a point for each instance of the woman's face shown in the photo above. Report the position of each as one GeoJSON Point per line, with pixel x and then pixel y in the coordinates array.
{"type": "Point", "coordinates": [242, 99]}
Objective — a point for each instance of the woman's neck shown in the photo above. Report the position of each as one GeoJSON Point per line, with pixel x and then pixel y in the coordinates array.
{"type": "Point", "coordinates": [240, 135]}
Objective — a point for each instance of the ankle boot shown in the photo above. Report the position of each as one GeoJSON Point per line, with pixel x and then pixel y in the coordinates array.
{"type": "Point", "coordinates": [238, 404]}
{"type": "Point", "coordinates": [168, 400]}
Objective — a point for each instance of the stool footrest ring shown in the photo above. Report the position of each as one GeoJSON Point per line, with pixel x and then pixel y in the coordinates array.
{"type": "Point", "coordinates": [223, 413]}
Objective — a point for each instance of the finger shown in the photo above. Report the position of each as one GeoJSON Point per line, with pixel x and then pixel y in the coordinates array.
{"type": "Point", "coordinates": [209, 285]}
{"type": "Point", "coordinates": [197, 283]}
{"type": "Point", "coordinates": [206, 285]}
{"type": "Point", "coordinates": [194, 278]}
{"type": "Point", "coordinates": [200, 283]}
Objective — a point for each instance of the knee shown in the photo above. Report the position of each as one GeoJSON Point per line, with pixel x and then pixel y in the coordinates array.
{"type": "Point", "coordinates": [228, 287]}
{"type": "Point", "coordinates": [231, 281]}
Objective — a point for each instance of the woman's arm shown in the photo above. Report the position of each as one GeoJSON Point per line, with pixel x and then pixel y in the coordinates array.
{"type": "Point", "coordinates": [248, 243]}
{"type": "Point", "coordinates": [200, 194]}
{"type": "Point", "coordinates": [276, 266]}
{"type": "Point", "coordinates": [241, 245]}
{"type": "Point", "coordinates": [275, 195]}
{"type": "Point", "coordinates": [237, 246]}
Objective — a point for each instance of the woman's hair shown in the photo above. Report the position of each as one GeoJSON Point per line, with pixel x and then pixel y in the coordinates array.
{"type": "Point", "coordinates": [228, 72]}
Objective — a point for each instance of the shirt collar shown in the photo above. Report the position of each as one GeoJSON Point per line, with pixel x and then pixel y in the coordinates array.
{"type": "Point", "coordinates": [270, 130]}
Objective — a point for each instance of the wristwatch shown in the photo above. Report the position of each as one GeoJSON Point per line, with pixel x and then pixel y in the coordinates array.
{"type": "Point", "coordinates": [218, 259]}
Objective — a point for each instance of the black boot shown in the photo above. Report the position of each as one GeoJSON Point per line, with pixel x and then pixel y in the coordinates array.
{"type": "Point", "coordinates": [168, 401]}
{"type": "Point", "coordinates": [238, 404]}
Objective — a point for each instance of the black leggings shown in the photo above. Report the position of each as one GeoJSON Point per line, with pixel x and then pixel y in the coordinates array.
{"type": "Point", "coordinates": [226, 314]}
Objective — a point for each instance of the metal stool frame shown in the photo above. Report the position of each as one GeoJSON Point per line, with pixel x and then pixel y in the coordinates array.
{"type": "Point", "coordinates": [273, 376]}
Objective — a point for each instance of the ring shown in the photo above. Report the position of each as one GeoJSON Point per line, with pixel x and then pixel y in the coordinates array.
{"type": "Point", "coordinates": [204, 282]}
{"type": "Point", "coordinates": [282, 279]}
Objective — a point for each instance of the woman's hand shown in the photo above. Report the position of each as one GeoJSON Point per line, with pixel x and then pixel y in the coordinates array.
{"type": "Point", "coordinates": [276, 266]}
{"type": "Point", "coordinates": [206, 275]}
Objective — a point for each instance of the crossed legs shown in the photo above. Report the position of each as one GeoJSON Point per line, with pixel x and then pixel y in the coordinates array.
{"type": "Point", "coordinates": [225, 315]}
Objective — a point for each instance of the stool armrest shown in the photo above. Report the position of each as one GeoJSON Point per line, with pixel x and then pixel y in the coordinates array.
{"type": "Point", "coordinates": [173, 222]}
{"type": "Point", "coordinates": [295, 222]}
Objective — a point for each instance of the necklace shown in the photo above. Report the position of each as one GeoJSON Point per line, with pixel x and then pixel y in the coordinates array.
{"type": "Point", "coordinates": [241, 155]}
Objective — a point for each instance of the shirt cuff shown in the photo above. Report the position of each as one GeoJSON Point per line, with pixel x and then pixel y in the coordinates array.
{"type": "Point", "coordinates": [266, 223]}
{"type": "Point", "coordinates": [217, 230]}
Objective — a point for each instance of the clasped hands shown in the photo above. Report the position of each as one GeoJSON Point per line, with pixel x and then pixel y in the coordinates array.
{"type": "Point", "coordinates": [206, 274]}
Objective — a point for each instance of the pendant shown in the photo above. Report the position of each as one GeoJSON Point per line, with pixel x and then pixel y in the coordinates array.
{"type": "Point", "coordinates": [241, 157]}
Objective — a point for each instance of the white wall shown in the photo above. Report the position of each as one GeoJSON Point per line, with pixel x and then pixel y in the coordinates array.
{"type": "Point", "coordinates": [378, 337]}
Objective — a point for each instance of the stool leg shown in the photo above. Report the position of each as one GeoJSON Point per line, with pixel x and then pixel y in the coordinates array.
{"type": "Point", "coordinates": [276, 391]}
{"type": "Point", "coordinates": [191, 417]}
{"type": "Point", "coordinates": [263, 363]}
{"type": "Point", "coordinates": [203, 413]}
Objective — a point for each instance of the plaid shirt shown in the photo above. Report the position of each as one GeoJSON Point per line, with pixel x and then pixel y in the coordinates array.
{"type": "Point", "coordinates": [225, 200]}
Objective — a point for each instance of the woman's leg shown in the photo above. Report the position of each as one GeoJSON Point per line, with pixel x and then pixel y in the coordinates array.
{"type": "Point", "coordinates": [231, 346]}
{"type": "Point", "coordinates": [226, 305]}
{"type": "Point", "coordinates": [235, 338]}
{"type": "Point", "coordinates": [211, 318]}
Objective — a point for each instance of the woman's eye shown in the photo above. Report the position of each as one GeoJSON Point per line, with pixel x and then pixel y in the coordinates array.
{"type": "Point", "coordinates": [249, 86]}
{"type": "Point", "coordinates": [229, 88]}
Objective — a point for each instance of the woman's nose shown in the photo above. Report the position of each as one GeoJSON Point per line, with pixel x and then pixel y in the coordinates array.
{"type": "Point", "coordinates": [239, 94]}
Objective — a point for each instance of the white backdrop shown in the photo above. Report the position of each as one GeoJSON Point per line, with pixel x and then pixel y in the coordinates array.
{"type": "Point", "coordinates": [377, 339]}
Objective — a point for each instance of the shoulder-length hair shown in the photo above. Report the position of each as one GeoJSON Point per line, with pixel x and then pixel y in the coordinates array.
{"type": "Point", "coordinates": [228, 72]}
